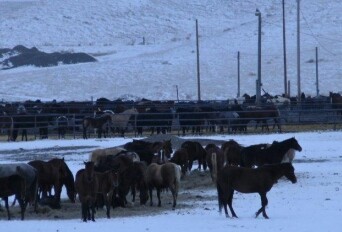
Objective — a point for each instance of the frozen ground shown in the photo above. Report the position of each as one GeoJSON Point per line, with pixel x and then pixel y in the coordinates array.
{"type": "Point", "coordinates": [312, 204]}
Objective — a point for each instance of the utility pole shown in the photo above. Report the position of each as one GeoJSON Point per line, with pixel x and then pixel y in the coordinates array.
{"type": "Point", "coordinates": [284, 50]}
{"type": "Point", "coordinates": [317, 86]}
{"type": "Point", "coordinates": [238, 69]}
{"type": "Point", "coordinates": [198, 65]}
{"type": "Point", "coordinates": [298, 52]}
{"type": "Point", "coordinates": [258, 82]}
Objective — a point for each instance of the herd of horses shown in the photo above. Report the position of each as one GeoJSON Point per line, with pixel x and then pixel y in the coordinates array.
{"type": "Point", "coordinates": [140, 166]}
{"type": "Point", "coordinates": [112, 118]}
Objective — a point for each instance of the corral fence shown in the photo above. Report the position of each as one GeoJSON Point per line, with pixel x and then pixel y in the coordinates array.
{"type": "Point", "coordinates": [210, 117]}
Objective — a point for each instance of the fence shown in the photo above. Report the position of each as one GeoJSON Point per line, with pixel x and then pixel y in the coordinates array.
{"type": "Point", "coordinates": [291, 118]}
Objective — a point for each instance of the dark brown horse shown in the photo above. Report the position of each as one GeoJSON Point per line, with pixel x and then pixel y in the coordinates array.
{"type": "Point", "coordinates": [86, 186]}
{"type": "Point", "coordinates": [163, 176]}
{"type": "Point", "coordinates": [260, 154]}
{"type": "Point", "coordinates": [248, 180]}
{"type": "Point", "coordinates": [54, 173]}
{"type": "Point", "coordinates": [107, 182]}
{"type": "Point", "coordinates": [180, 157]}
{"type": "Point", "coordinates": [96, 123]}
{"type": "Point", "coordinates": [195, 152]}
{"type": "Point", "coordinates": [211, 150]}
{"type": "Point", "coordinates": [131, 175]}
{"type": "Point", "coordinates": [232, 152]}
{"type": "Point", "coordinates": [262, 114]}
{"type": "Point", "coordinates": [13, 185]}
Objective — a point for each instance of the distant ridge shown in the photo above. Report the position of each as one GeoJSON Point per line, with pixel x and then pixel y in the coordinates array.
{"type": "Point", "coordinates": [23, 56]}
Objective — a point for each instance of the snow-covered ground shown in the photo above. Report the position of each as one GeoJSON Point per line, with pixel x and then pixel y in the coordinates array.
{"type": "Point", "coordinates": [312, 204]}
{"type": "Point", "coordinates": [147, 48]}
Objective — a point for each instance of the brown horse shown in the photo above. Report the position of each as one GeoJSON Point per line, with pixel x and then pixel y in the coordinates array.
{"type": "Point", "coordinates": [163, 176]}
{"type": "Point", "coordinates": [96, 123]}
{"type": "Point", "coordinates": [195, 152]}
{"type": "Point", "coordinates": [107, 182]}
{"type": "Point", "coordinates": [54, 173]}
{"type": "Point", "coordinates": [232, 152]}
{"type": "Point", "coordinates": [6, 123]}
{"type": "Point", "coordinates": [211, 150]}
{"type": "Point", "coordinates": [86, 186]}
{"type": "Point", "coordinates": [180, 157]}
{"type": "Point", "coordinates": [13, 185]}
{"type": "Point", "coordinates": [248, 180]}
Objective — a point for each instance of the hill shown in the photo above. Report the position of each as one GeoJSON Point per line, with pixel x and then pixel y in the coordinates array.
{"type": "Point", "coordinates": [147, 48]}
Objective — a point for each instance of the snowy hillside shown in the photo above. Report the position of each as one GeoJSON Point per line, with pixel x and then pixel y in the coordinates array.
{"type": "Point", "coordinates": [146, 48]}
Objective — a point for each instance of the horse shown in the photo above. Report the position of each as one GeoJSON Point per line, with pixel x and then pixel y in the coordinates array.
{"type": "Point", "coordinates": [13, 185]}
{"type": "Point", "coordinates": [180, 157]}
{"type": "Point", "coordinates": [261, 114]}
{"type": "Point", "coordinates": [212, 150]}
{"type": "Point", "coordinates": [120, 121]}
{"type": "Point", "coordinates": [163, 176]}
{"type": "Point", "coordinates": [261, 154]}
{"type": "Point", "coordinates": [86, 186]}
{"type": "Point", "coordinates": [107, 182]}
{"type": "Point", "coordinates": [6, 123]}
{"type": "Point", "coordinates": [232, 152]}
{"type": "Point", "coordinates": [97, 153]}
{"type": "Point", "coordinates": [96, 123]}
{"type": "Point", "coordinates": [248, 180]}
{"type": "Point", "coordinates": [56, 173]}
{"type": "Point", "coordinates": [195, 152]}
{"type": "Point", "coordinates": [30, 177]}
{"type": "Point", "coordinates": [131, 174]}
{"type": "Point", "coordinates": [62, 126]}
{"type": "Point", "coordinates": [151, 151]}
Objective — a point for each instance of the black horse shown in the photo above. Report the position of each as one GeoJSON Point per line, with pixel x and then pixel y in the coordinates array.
{"type": "Point", "coordinates": [96, 123]}
{"type": "Point", "coordinates": [261, 154]}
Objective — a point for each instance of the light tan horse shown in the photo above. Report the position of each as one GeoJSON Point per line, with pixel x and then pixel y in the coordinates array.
{"type": "Point", "coordinates": [163, 176]}
{"type": "Point", "coordinates": [96, 154]}
{"type": "Point", "coordinates": [120, 121]}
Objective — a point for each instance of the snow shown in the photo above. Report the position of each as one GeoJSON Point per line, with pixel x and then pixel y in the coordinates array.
{"type": "Point", "coordinates": [113, 32]}
{"type": "Point", "coordinates": [312, 204]}
{"type": "Point", "coordinates": [147, 48]}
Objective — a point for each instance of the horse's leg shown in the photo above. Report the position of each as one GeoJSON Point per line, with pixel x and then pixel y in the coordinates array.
{"type": "Point", "coordinates": [22, 205]}
{"type": "Point", "coordinates": [133, 192]}
{"type": "Point", "coordinates": [150, 193]}
{"type": "Point", "coordinates": [190, 164]}
{"type": "Point", "coordinates": [174, 195]}
{"type": "Point", "coordinates": [84, 132]}
{"type": "Point", "coordinates": [7, 208]}
{"type": "Point", "coordinates": [84, 211]}
{"type": "Point", "coordinates": [230, 202]}
{"type": "Point", "coordinates": [264, 203]}
{"type": "Point", "coordinates": [158, 195]}
{"type": "Point", "coordinates": [106, 198]}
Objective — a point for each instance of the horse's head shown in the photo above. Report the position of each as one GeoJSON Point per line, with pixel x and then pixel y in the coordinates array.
{"type": "Point", "coordinates": [295, 145]}
{"type": "Point", "coordinates": [167, 148]}
{"type": "Point", "coordinates": [114, 177]}
{"type": "Point", "coordinates": [89, 170]}
{"type": "Point", "coordinates": [289, 172]}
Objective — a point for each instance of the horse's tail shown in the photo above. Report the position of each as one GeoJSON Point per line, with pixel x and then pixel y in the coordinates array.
{"type": "Point", "coordinates": [178, 174]}
{"type": "Point", "coordinates": [214, 169]}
